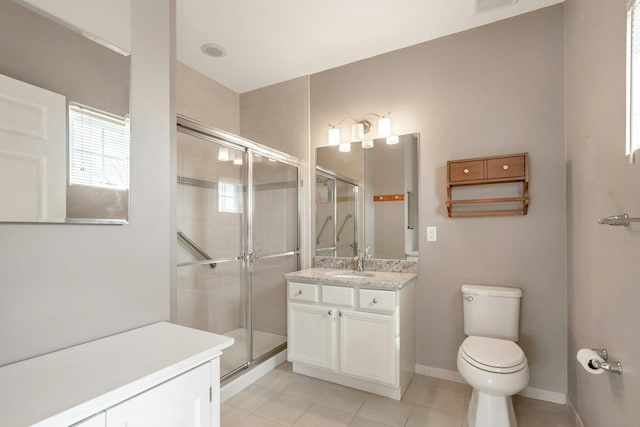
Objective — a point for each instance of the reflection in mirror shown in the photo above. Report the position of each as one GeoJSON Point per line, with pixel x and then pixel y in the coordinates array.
{"type": "Point", "coordinates": [385, 202]}
{"type": "Point", "coordinates": [336, 215]}
{"type": "Point", "coordinates": [64, 127]}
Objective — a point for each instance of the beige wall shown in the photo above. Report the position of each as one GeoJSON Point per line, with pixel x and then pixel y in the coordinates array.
{"type": "Point", "coordinates": [278, 116]}
{"type": "Point", "coordinates": [66, 284]}
{"type": "Point", "coordinates": [497, 89]}
{"type": "Point", "coordinates": [205, 100]}
{"type": "Point", "coordinates": [604, 272]}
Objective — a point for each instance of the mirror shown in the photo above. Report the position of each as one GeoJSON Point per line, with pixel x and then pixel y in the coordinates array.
{"type": "Point", "coordinates": [64, 126]}
{"type": "Point", "coordinates": [379, 191]}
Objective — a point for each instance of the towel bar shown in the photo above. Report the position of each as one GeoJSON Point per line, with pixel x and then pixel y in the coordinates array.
{"type": "Point", "coordinates": [623, 220]}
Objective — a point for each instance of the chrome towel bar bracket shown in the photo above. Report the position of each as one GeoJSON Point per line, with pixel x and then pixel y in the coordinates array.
{"type": "Point", "coordinates": [618, 220]}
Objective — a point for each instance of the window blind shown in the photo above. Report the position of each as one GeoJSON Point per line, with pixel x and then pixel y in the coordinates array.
{"type": "Point", "coordinates": [633, 79]}
{"type": "Point", "coordinates": [98, 148]}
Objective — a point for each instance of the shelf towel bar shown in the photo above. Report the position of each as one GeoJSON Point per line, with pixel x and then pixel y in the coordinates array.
{"type": "Point", "coordinates": [193, 246]}
{"type": "Point", "coordinates": [618, 220]}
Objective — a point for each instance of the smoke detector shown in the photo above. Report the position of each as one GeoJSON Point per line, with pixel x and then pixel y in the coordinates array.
{"type": "Point", "coordinates": [213, 49]}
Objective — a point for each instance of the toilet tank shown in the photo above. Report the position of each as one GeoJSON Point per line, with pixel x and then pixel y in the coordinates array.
{"type": "Point", "coordinates": [491, 311]}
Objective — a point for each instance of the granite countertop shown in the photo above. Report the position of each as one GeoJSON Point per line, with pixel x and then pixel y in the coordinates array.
{"type": "Point", "coordinates": [379, 280]}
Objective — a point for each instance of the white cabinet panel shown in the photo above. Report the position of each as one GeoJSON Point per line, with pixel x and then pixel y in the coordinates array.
{"type": "Point", "coordinates": [338, 295]}
{"type": "Point", "coordinates": [180, 402]}
{"type": "Point", "coordinates": [367, 346]}
{"type": "Point", "coordinates": [311, 335]}
{"type": "Point", "coordinates": [303, 292]}
{"type": "Point", "coordinates": [375, 299]}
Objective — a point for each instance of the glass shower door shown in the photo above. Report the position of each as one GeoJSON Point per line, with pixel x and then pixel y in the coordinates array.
{"type": "Point", "coordinates": [273, 247]}
{"type": "Point", "coordinates": [212, 220]}
{"type": "Point", "coordinates": [346, 212]}
{"type": "Point", "coordinates": [325, 216]}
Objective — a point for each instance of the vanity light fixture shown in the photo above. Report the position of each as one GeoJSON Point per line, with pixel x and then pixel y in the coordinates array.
{"type": "Point", "coordinates": [359, 129]}
{"type": "Point", "coordinates": [393, 139]}
{"type": "Point", "coordinates": [334, 136]}
{"type": "Point", "coordinates": [345, 147]}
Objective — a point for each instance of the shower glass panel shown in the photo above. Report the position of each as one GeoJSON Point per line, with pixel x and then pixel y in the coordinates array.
{"type": "Point", "coordinates": [274, 248]}
{"type": "Point", "coordinates": [212, 215]}
{"type": "Point", "coordinates": [237, 237]}
{"type": "Point", "coordinates": [346, 194]}
{"type": "Point", "coordinates": [325, 213]}
{"type": "Point", "coordinates": [336, 215]}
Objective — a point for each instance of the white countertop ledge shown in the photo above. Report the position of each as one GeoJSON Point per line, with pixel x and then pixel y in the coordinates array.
{"type": "Point", "coordinates": [66, 386]}
{"type": "Point", "coordinates": [381, 279]}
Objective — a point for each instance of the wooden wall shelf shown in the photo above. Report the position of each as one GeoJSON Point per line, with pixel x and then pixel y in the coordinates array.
{"type": "Point", "coordinates": [388, 197]}
{"type": "Point", "coordinates": [489, 170]}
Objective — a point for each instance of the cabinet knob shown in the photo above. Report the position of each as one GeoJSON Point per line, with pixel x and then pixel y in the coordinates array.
{"type": "Point", "coordinates": [469, 298]}
{"type": "Point", "coordinates": [505, 167]}
{"type": "Point", "coordinates": [300, 292]}
{"type": "Point", "coordinates": [340, 314]}
{"type": "Point", "coordinates": [375, 300]}
{"type": "Point", "coordinates": [330, 312]}
{"type": "Point", "coordinates": [466, 171]}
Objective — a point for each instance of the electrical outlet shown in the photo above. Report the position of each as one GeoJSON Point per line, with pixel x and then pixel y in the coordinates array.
{"type": "Point", "coordinates": [432, 234]}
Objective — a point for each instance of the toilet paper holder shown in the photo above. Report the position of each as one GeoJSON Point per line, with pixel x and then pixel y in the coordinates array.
{"type": "Point", "coordinates": [613, 367]}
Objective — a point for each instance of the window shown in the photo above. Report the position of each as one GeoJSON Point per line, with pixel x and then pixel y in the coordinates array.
{"type": "Point", "coordinates": [633, 79]}
{"type": "Point", "coordinates": [98, 148]}
{"type": "Point", "coordinates": [229, 196]}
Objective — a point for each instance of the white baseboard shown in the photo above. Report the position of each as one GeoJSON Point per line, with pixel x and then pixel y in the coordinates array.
{"type": "Point", "coordinates": [250, 376]}
{"type": "Point", "coordinates": [575, 417]}
{"type": "Point", "coordinates": [531, 392]}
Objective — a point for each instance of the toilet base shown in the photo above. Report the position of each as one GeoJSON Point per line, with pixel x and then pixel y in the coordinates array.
{"type": "Point", "coordinates": [486, 410]}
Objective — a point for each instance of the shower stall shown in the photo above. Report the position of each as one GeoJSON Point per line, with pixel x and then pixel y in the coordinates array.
{"type": "Point", "coordinates": [238, 228]}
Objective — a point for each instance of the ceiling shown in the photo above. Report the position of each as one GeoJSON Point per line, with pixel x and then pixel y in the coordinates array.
{"type": "Point", "coordinates": [273, 41]}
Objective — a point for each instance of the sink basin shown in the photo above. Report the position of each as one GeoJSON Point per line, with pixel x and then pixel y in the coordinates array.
{"type": "Point", "coordinates": [351, 274]}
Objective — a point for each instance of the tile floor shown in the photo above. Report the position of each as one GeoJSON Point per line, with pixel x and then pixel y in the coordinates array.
{"type": "Point", "coordinates": [282, 398]}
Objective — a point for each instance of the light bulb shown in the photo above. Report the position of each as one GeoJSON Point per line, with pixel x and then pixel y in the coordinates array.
{"type": "Point", "coordinates": [357, 132]}
{"type": "Point", "coordinates": [393, 139]}
{"type": "Point", "coordinates": [223, 154]}
{"type": "Point", "coordinates": [367, 143]}
{"type": "Point", "coordinates": [384, 127]}
{"type": "Point", "coordinates": [238, 161]}
{"type": "Point", "coordinates": [345, 147]}
{"type": "Point", "coordinates": [334, 136]}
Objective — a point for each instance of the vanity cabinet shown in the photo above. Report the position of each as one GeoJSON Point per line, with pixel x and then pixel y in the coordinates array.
{"type": "Point", "coordinates": [161, 375]}
{"type": "Point", "coordinates": [355, 336]}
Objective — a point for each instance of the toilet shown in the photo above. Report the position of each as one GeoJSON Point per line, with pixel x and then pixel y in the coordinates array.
{"type": "Point", "coordinates": [489, 358]}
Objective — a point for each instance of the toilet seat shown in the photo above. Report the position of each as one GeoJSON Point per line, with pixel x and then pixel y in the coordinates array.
{"type": "Point", "coordinates": [493, 355]}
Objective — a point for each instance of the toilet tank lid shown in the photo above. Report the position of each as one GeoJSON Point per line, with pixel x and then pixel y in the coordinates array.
{"type": "Point", "coordinates": [495, 291]}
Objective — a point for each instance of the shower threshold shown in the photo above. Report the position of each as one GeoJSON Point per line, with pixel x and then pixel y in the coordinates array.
{"type": "Point", "coordinates": [234, 358]}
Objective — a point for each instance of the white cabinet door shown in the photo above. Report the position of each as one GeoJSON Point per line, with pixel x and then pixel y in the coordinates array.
{"type": "Point", "coordinates": [368, 346]}
{"type": "Point", "coordinates": [180, 402]}
{"type": "Point", "coordinates": [311, 335]}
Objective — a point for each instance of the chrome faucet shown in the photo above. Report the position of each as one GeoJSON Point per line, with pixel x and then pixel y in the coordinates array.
{"type": "Point", "coordinates": [361, 257]}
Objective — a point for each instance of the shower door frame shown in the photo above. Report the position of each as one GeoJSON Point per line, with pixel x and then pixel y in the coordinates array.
{"type": "Point", "coordinates": [218, 136]}
{"type": "Point", "coordinates": [326, 173]}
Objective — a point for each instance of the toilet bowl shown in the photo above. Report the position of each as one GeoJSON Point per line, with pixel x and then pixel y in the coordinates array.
{"type": "Point", "coordinates": [496, 369]}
